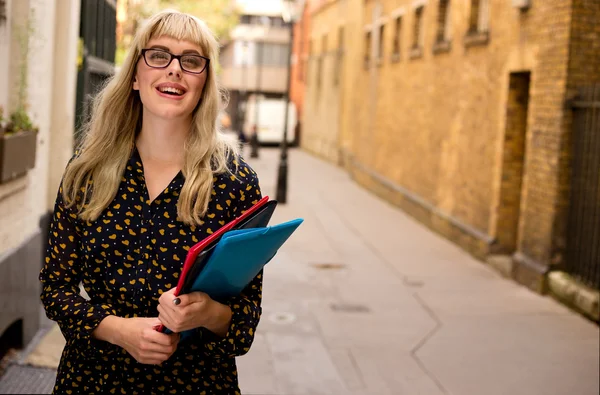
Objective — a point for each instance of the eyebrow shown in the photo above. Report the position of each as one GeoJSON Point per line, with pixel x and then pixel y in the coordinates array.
{"type": "Point", "coordinates": [187, 51]}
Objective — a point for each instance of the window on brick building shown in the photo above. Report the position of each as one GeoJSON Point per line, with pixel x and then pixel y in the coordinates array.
{"type": "Point", "coordinates": [443, 31]}
{"type": "Point", "coordinates": [339, 56]}
{"type": "Point", "coordinates": [416, 50]}
{"type": "Point", "coordinates": [321, 61]}
{"type": "Point", "coordinates": [418, 28]}
{"type": "Point", "coordinates": [397, 38]}
{"type": "Point", "coordinates": [381, 42]}
{"type": "Point", "coordinates": [478, 23]}
{"type": "Point", "coordinates": [310, 58]}
{"type": "Point", "coordinates": [478, 20]}
{"type": "Point", "coordinates": [367, 54]}
{"type": "Point", "coordinates": [302, 55]}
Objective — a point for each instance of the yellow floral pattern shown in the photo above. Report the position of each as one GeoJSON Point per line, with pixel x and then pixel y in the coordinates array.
{"type": "Point", "coordinates": [125, 260]}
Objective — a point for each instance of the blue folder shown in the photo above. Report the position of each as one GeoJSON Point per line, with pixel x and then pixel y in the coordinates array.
{"type": "Point", "coordinates": [239, 256]}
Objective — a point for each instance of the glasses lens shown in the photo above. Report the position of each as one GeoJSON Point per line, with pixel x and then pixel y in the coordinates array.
{"type": "Point", "coordinates": [193, 63]}
{"type": "Point", "coordinates": [157, 58]}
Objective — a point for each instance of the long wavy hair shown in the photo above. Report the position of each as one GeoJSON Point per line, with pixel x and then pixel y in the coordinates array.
{"type": "Point", "coordinates": [92, 178]}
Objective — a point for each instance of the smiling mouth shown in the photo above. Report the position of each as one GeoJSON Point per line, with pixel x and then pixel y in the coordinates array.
{"type": "Point", "coordinates": [170, 91]}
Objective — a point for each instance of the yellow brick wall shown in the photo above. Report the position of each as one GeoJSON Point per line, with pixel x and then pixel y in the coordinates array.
{"type": "Point", "coordinates": [321, 113]}
{"type": "Point", "coordinates": [438, 124]}
{"type": "Point", "coordinates": [429, 132]}
{"type": "Point", "coordinates": [546, 132]}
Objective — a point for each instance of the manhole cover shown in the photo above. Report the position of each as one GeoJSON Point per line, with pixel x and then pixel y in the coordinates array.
{"type": "Point", "coordinates": [350, 308]}
{"type": "Point", "coordinates": [328, 265]}
{"type": "Point", "coordinates": [27, 380]}
{"type": "Point", "coordinates": [282, 318]}
{"type": "Point", "coordinates": [413, 283]}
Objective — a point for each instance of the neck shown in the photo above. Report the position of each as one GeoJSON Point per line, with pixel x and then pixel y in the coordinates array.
{"type": "Point", "coordinates": [163, 141]}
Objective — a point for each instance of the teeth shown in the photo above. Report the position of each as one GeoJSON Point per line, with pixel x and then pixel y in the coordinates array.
{"type": "Point", "coordinates": [171, 90]}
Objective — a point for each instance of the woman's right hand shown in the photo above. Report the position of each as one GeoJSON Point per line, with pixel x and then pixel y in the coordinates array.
{"type": "Point", "coordinates": [139, 338]}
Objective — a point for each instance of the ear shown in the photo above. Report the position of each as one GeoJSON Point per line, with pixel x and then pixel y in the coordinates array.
{"type": "Point", "coordinates": [136, 84]}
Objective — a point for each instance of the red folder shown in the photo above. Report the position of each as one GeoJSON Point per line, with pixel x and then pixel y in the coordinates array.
{"type": "Point", "coordinates": [193, 252]}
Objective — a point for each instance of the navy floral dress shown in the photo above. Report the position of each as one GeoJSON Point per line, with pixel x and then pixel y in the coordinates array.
{"type": "Point", "coordinates": [125, 260]}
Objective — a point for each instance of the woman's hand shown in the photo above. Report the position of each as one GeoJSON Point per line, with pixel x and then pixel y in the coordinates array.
{"type": "Point", "coordinates": [191, 311]}
{"type": "Point", "coordinates": [148, 346]}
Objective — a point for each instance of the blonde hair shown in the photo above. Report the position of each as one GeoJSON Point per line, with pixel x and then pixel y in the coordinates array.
{"type": "Point", "coordinates": [93, 176]}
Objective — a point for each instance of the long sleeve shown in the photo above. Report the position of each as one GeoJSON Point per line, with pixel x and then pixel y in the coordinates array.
{"type": "Point", "coordinates": [60, 278]}
{"type": "Point", "coordinates": [246, 307]}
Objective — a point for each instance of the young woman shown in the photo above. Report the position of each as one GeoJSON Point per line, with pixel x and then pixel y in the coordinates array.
{"type": "Point", "coordinates": [153, 177]}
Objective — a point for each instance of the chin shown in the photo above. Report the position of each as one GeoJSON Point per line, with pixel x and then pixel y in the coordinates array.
{"type": "Point", "coordinates": [173, 115]}
{"type": "Point", "coordinates": [166, 113]}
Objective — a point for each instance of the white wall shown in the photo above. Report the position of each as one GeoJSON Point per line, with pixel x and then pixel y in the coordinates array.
{"type": "Point", "coordinates": [64, 93]}
{"type": "Point", "coordinates": [51, 91]}
{"type": "Point", "coordinates": [5, 36]}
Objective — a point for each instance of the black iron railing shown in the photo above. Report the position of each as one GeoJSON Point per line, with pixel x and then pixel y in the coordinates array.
{"type": "Point", "coordinates": [97, 32]}
{"type": "Point", "coordinates": [583, 232]}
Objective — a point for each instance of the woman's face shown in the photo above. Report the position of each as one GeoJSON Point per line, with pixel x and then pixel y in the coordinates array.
{"type": "Point", "coordinates": [170, 92]}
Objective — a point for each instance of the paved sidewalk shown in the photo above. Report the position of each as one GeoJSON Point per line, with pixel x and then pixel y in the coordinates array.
{"type": "Point", "coordinates": [364, 300]}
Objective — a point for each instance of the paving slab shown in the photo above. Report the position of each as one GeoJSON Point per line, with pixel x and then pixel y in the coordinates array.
{"type": "Point", "coordinates": [515, 354]}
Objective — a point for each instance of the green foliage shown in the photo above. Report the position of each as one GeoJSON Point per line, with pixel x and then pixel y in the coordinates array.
{"type": "Point", "coordinates": [19, 118]}
{"type": "Point", "coordinates": [220, 15]}
{"type": "Point", "coordinates": [23, 33]}
{"type": "Point", "coordinates": [19, 121]}
{"type": "Point", "coordinates": [2, 120]}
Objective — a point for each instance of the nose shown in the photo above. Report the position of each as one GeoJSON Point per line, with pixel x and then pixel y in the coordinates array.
{"type": "Point", "coordinates": [174, 68]}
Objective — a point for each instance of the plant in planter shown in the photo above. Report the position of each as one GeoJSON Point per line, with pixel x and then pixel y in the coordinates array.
{"type": "Point", "coordinates": [18, 141]}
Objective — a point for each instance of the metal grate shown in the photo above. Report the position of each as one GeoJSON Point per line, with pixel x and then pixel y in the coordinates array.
{"type": "Point", "coordinates": [20, 379]}
{"type": "Point", "coordinates": [350, 308]}
{"type": "Point", "coordinates": [583, 233]}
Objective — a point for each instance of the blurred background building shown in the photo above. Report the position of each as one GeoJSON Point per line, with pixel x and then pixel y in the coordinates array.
{"type": "Point", "coordinates": [472, 116]}
{"type": "Point", "coordinates": [254, 64]}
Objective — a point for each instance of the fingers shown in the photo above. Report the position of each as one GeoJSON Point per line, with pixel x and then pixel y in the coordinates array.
{"type": "Point", "coordinates": [153, 349]}
{"type": "Point", "coordinates": [167, 297]}
{"type": "Point", "coordinates": [160, 342]}
{"type": "Point", "coordinates": [193, 297]}
{"type": "Point", "coordinates": [168, 317]}
{"type": "Point", "coordinates": [184, 311]}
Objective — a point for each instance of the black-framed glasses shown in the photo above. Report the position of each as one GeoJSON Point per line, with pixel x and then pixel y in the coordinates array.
{"type": "Point", "coordinates": [160, 59]}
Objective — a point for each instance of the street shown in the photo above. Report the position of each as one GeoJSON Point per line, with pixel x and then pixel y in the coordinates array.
{"type": "Point", "coordinates": [363, 299]}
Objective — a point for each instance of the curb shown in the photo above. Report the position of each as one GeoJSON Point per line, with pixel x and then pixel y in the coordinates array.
{"type": "Point", "coordinates": [568, 290]}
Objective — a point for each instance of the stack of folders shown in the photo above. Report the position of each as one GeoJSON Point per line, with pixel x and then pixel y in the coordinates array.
{"type": "Point", "coordinates": [224, 263]}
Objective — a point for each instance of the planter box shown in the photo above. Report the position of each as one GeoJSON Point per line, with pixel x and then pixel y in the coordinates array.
{"type": "Point", "coordinates": [17, 154]}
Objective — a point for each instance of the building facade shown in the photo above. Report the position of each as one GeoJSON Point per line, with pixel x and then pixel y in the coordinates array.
{"type": "Point", "coordinates": [458, 112]}
{"type": "Point", "coordinates": [300, 49]}
{"type": "Point", "coordinates": [254, 60]}
{"type": "Point", "coordinates": [51, 61]}
{"type": "Point", "coordinates": [26, 199]}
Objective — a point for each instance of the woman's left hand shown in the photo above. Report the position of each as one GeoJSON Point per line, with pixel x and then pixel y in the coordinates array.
{"type": "Point", "coordinates": [192, 311]}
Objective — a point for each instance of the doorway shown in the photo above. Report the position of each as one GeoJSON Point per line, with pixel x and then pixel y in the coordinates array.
{"type": "Point", "coordinates": [513, 161]}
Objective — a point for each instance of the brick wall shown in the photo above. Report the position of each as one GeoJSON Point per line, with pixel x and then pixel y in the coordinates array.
{"type": "Point", "coordinates": [321, 110]}
{"type": "Point", "coordinates": [431, 122]}
{"type": "Point", "coordinates": [300, 53]}
{"type": "Point", "coordinates": [546, 137]}
{"type": "Point", "coordinates": [438, 130]}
